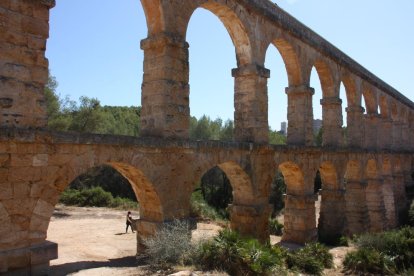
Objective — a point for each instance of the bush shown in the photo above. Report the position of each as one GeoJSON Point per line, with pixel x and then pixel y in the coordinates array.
{"type": "Point", "coordinates": [388, 251]}
{"type": "Point", "coordinates": [240, 256]}
{"type": "Point", "coordinates": [367, 260]}
{"type": "Point", "coordinates": [312, 258]}
{"type": "Point", "coordinates": [411, 214]}
{"type": "Point", "coordinates": [200, 208]}
{"type": "Point", "coordinates": [275, 227]}
{"type": "Point", "coordinates": [96, 197]}
{"type": "Point", "coordinates": [170, 246]}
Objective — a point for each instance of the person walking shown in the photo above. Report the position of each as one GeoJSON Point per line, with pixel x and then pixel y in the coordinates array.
{"type": "Point", "coordinates": [129, 222]}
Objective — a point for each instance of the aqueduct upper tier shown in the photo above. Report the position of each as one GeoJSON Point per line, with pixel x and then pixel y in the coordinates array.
{"type": "Point", "coordinates": [364, 174]}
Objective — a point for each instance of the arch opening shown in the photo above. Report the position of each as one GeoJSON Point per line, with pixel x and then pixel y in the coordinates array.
{"type": "Point", "coordinates": [211, 106]}
{"type": "Point", "coordinates": [277, 111]}
{"type": "Point", "coordinates": [320, 82]}
{"type": "Point", "coordinates": [76, 224]}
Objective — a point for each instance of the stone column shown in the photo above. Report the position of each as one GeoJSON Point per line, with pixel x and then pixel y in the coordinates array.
{"type": "Point", "coordinates": [355, 127]}
{"type": "Point", "coordinates": [397, 135]}
{"type": "Point", "coordinates": [332, 216]}
{"type": "Point", "coordinates": [385, 137]}
{"type": "Point", "coordinates": [375, 205]}
{"type": "Point", "coordinates": [252, 221]}
{"type": "Point", "coordinates": [389, 202]}
{"type": "Point", "coordinates": [300, 115]}
{"type": "Point", "coordinates": [356, 208]}
{"type": "Point", "coordinates": [371, 131]}
{"type": "Point", "coordinates": [165, 90]}
{"type": "Point", "coordinates": [23, 66]}
{"type": "Point", "coordinates": [332, 121]}
{"type": "Point", "coordinates": [251, 104]}
{"type": "Point", "coordinates": [300, 219]}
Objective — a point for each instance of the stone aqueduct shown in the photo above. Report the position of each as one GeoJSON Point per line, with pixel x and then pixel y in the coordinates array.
{"type": "Point", "coordinates": [363, 177]}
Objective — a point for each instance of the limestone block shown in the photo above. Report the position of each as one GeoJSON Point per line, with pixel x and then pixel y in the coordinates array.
{"type": "Point", "coordinates": [43, 209]}
{"type": "Point", "coordinates": [6, 190]}
{"type": "Point", "coordinates": [40, 160]}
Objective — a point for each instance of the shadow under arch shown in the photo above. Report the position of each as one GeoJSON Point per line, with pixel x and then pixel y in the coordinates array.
{"type": "Point", "coordinates": [331, 222]}
{"type": "Point", "coordinates": [234, 26]}
{"type": "Point", "coordinates": [299, 215]}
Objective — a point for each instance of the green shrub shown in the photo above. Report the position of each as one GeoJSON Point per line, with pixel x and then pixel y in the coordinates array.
{"type": "Point", "coordinates": [96, 197]}
{"type": "Point", "coordinates": [312, 258]}
{"type": "Point", "coordinates": [240, 256]}
{"type": "Point", "coordinates": [275, 227]}
{"type": "Point", "coordinates": [368, 260]}
{"type": "Point", "coordinates": [170, 246]}
{"type": "Point", "coordinates": [411, 214]}
{"type": "Point", "coordinates": [385, 252]}
{"type": "Point", "coordinates": [200, 208]}
{"type": "Point", "coordinates": [398, 245]}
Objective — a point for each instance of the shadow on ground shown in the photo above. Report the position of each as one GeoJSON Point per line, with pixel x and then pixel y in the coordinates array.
{"type": "Point", "coordinates": [65, 269]}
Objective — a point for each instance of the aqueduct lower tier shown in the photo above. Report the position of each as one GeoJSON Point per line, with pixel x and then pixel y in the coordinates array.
{"type": "Point", "coordinates": [364, 174]}
{"type": "Point", "coordinates": [361, 190]}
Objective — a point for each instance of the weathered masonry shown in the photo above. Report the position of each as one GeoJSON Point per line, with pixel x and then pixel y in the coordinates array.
{"type": "Point", "coordinates": [364, 174]}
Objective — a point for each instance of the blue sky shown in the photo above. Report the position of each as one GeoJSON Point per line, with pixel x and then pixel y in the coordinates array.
{"type": "Point", "coordinates": [94, 50]}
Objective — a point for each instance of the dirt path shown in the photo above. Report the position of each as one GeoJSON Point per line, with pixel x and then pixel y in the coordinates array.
{"type": "Point", "coordinates": [92, 241]}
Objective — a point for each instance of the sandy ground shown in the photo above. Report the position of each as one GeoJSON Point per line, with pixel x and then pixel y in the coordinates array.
{"type": "Point", "coordinates": [92, 241]}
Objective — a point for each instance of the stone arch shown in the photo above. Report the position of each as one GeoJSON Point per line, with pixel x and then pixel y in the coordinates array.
{"type": "Point", "coordinates": [329, 176]}
{"type": "Point", "coordinates": [294, 178]}
{"type": "Point", "coordinates": [351, 89]}
{"type": "Point", "coordinates": [240, 182]}
{"type": "Point", "coordinates": [291, 61]}
{"type": "Point", "coordinates": [234, 26]}
{"type": "Point", "coordinates": [154, 15]}
{"type": "Point", "coordinates": [384, 106]}
{"type": "Point", "coordinates": [353, 171]}
{"type": "Point", "coordinates": [370, 97]}
{"type": "Point", "coordinates": [394, 111]}
{"type": "Point", "coordinates": [371, 169]}
{"type": "Point", "coordinates": [150, 205]}
{"type": "Point", "coordinates": [328, 85]}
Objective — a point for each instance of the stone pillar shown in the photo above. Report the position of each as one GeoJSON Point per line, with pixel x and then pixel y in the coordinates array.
{"type": "Point", "coordinates": [24, 27]}
{"type": "Point", "coordinates": [300, 115]}
{"type": "Point", "coordinates": [371, 131]}
{"type": "Point", "coordinates": [389, 202]}
{"type": "Point", "coordinates": [300, 219]}
{"type": "Point", "coordinates": [375, 205]}
{"type": "Point", "coordinates": [165, 90]}
{"type": "Point", "coordinates": [332, 216]}
{"type": "Point", "coordinates": [397, 135]}
{"type": "Point", "coordinates": [356, 208]}
{"type": "Point", "coordinates": [400, 197]}
{"type": "Point", "coordinates": [251, 221]}
{"type": "Point", "coordinates": [332, 121]}
{"type": "Point", "coordinates": [385, 137]}
{"type": "Point", "coordinates": [251, 104]}
{"type": "Point", "coordinates": [355, 127]}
